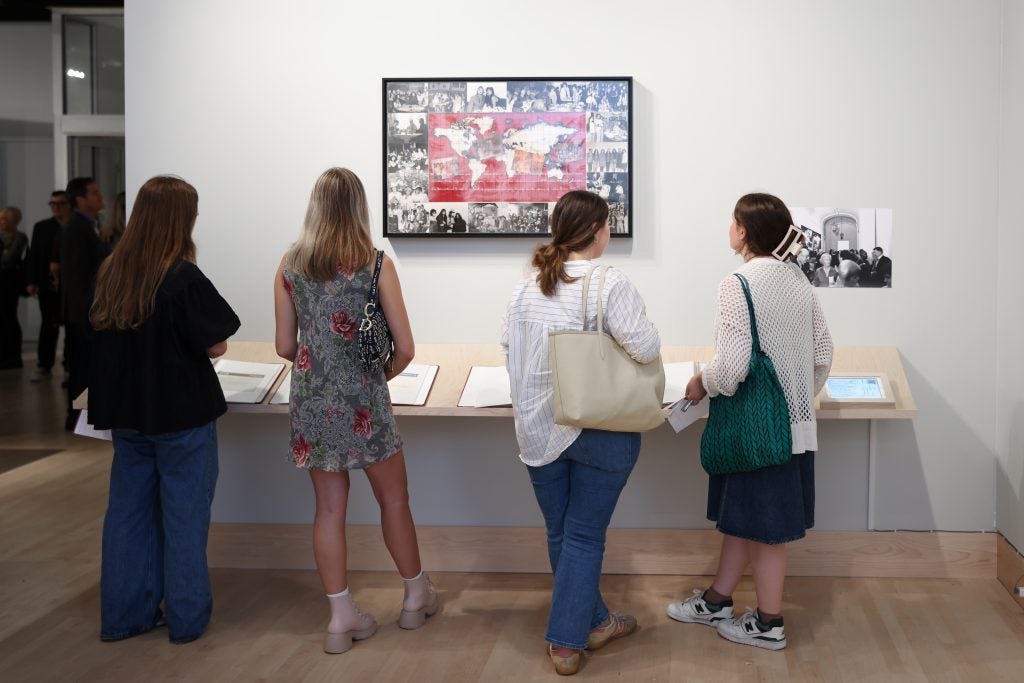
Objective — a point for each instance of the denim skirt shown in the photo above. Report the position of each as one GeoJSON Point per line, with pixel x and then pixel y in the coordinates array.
{"type": "Point", "coordinates": [771, 505]}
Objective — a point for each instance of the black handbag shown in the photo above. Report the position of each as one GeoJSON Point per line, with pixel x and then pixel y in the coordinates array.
{"type": "Point", "coordinates": [376, 347]}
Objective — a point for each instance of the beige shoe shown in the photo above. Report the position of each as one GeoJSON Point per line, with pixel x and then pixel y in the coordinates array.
{"type": "Point", "coordinates": [336, 643]}
{"type": "Point", "coordinates": [565, 666]}
{"type": "Point", "coordinates": [618, 626]}
{"type": "Point", "coordinates": [411, 619]}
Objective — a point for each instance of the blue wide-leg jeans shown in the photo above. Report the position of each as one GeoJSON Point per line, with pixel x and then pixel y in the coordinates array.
{"type": "Point", "coordinates": [577, 494]}
{"type": "Point", "coordinates": [155, 533]}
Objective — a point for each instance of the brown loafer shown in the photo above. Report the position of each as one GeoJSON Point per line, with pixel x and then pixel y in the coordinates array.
{"type": "Point", "coordinates": [618, 626]}
{"type": "Point", "coordinates": [565, 666]}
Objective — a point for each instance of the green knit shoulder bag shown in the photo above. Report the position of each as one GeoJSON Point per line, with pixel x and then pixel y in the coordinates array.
{"type": "Point", "coordinates": [749, 430]}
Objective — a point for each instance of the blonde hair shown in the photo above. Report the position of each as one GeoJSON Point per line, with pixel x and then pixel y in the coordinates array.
{"type": "Point", "coordinates": [336, 232]}
{"type": "Point", "coordinates": [113, 227]}
{"type": "Point", "coordinates": [158, 235]}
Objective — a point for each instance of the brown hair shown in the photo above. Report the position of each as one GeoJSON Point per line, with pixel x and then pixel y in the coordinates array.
{"type": "Point", "coordinates": [575, 222]}
{"type": "Point", "coordinates": [766, 220]}
{"type": "Point", "coordinates": [336, 232]}
{"type": "Point", "coordinates": [113, 227]}
{"type": "Point", "coordinates": [158, 235]}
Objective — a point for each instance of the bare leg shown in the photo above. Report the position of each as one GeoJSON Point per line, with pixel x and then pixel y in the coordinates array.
{"type": "Point", "coordinates": [329, 549]}
{"type": "Point", "coordinates": [390, 488]}
{"type": "Point", "coordinates": [769, 565]}
{"type": "Point", "coordinates": [733, 559]}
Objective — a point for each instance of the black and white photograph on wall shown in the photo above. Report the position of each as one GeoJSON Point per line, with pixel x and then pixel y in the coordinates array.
{"type": "Point", "coordinates": [846, 248]}
{"type": "Point", "coordinates": [407, 96]}
{"type": "Point", "coordinates": [608, 157]}
{"type": "Point", "coordinates": [444, 143]}
{"type": "Point", "coordinates": [445, 96]}
{"type": "Point", "coordinates": [425, 218]}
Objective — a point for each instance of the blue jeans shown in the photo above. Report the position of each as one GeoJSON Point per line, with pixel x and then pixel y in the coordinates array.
{"type": "Point", "coordinates": [577, 494]}
{"type": "Point", "coordinates": [155, 531]}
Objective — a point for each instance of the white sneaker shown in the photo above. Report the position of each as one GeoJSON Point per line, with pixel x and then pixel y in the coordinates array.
{"type": "Point", "coordinates": [696, 610]}
{"type": "Point", "coordinates": [746, 632]}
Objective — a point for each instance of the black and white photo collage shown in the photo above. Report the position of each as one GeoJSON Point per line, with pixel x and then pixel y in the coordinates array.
{"type": "Point", "coordinates": [412, 208]}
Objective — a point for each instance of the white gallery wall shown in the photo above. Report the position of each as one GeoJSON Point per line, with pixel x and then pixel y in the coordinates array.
{"type": "Point", "coordinates": [823, 102]}
{"type": "Point", "coordinates": [26, 133]}
{"type": "Point", "coordinates": [1010, 293]}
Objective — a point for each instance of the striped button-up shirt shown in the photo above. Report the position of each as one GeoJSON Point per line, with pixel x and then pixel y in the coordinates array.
{"type": "Point", "coordinates": [531, 316]}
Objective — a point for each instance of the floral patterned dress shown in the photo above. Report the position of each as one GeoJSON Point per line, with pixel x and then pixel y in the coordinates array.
{"type": "Point", "coordinates": [341, 417]}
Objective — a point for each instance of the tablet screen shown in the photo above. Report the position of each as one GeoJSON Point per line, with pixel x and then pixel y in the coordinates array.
{"type": "Point", "coordinates": [854, 387]}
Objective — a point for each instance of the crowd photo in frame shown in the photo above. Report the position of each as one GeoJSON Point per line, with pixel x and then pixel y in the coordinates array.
{"type": "Point", "coordinates": [489, 157]}
{"type": "Point", "coordinates": [846, 248]}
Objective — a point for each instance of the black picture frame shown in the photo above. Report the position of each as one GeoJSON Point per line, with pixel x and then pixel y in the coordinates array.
{"type": "Point", "coordinates": [510, 147]}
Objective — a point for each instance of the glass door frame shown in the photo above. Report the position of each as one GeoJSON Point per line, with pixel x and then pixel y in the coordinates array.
{"type": "Point", "coordinates": [74, 125]}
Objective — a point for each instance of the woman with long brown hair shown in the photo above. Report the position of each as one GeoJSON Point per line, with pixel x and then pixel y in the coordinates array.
{"type": "Point", "coordinates": [341, 417]}
{"type": "Point", "coordinates": [577, 475]}
{"type": "Point", "coordinates": [760, 512]}
{"type": "Point", "coordinates": [157, 320]}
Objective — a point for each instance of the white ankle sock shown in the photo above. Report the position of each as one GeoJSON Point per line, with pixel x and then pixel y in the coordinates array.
{"type": "Point", "coordinates": [338, 595]}
{"type": "Point", "coordinates": [415, 578]}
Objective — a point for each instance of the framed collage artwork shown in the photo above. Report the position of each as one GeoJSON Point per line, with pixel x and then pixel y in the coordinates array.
{"type": "Point", "coordinates": [489, 157]}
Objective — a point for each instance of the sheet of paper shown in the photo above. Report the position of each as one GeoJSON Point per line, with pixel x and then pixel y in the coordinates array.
{"type": "Point", "coordinates": [676, 377]}
{"type": "Point", "coordinates": [244, 382]}
{"type": "Point", "coordinates": [283, 393]}
{"type": "Point", "coordinates": [681, 419]}
{"type": "Point", "coordinates": [83, 428]}
{"type": "Point", "coordinates": [487, 387]}
{"type": "Point", "coordinates": [412, 386]}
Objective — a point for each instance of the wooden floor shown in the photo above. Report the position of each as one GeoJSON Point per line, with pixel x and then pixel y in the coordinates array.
{"type": "Point", "coordinates": [267, 624]}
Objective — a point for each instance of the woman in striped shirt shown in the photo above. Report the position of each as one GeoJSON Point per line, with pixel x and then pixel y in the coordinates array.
{"type": "Point", "coordinates": [577, 475]}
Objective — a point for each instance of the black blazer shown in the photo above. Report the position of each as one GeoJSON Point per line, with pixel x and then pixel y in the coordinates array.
{"type": "Point", "coordinates": [81, 253]}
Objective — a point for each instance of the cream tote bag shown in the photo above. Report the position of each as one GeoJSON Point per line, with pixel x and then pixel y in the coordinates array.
{"type": "Point", "coordinates": [597, 384]}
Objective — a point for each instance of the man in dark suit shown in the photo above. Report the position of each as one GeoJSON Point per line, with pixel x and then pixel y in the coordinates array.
{"type": "Point", "coordinates": [81, 253]}
{"type": "Point", "coordinates": [881, 269]}
{"type": "Point", "coordinates": [41, 281]}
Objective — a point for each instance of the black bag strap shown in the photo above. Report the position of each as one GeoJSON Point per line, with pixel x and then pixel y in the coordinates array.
{"type": "Point", "coordinates": [371, 305]}
{"type": "Point", "coordinates": [750, 307]}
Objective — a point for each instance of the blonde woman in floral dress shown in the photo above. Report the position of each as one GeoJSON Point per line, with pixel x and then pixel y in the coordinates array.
{"type": "Point", "coordinates": [341, 417]}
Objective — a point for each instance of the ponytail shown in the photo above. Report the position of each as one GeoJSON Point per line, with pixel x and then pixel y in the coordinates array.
{"type": "Point", "coordinates": [549, 260]}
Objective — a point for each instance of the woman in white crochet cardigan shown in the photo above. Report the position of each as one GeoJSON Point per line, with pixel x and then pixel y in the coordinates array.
{"type": "Point", "coordinates": [759, 512]}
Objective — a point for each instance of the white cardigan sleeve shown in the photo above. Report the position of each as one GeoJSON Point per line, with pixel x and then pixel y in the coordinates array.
{"type": "Point", "coordinates": [822, 347]}
{"type": "Point", "coordinates": [733, 342]}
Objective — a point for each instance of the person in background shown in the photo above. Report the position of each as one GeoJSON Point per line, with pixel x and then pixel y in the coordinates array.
{"type": "Point", "coordinates": [577, 475]}
{"type": "Point", "coordinates": [849, 274]}
{"type": "Point", "coordinates": [13, 245]}
{"type": "Point", "coordinates": [880, 274]}
{"type": "Point", "coordinates": [43, 284]}
{"type": "Point", "coordinates": [826, 274]}
{"type": "Point", "coordinates": [158, 321]}
{"type": "Point", "coordinates": [759, 512]}
{"type": "Point", "coordinates": [81, 253]}
{"type": "Point", "coordinates": [341, 415]}
{"type": "Point", "coordinates": [113, 226]}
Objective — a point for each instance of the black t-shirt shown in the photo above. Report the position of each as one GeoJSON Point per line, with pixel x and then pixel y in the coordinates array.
{"type": "Point", "coordinates": [158, 378]}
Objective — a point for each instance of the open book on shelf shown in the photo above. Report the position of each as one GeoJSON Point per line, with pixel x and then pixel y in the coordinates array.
{"type": "Point", "coordinates": [245, 382]}
{"type": "Point", "coordinates": [410, 388]}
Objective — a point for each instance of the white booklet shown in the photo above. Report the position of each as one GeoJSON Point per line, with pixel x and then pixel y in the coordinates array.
{"type": "Point", "coordinates": [680, 415]}
{"type": "Point", "coordinates": [244, 382]}
{"type": "Point", "coordinates": [84, 428]}
{"type": "Point", "coordinates": [412, 386]}
{"type": "Point", "coordinates": [677, 375]}
{"type": "Point", "coordinates": [486, 387]}
{"type": "Point", "coordinates": [283, 393]}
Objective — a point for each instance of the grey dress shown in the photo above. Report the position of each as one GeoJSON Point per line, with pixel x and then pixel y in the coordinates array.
{"type": "Point", "coordinates": [341, 416]}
